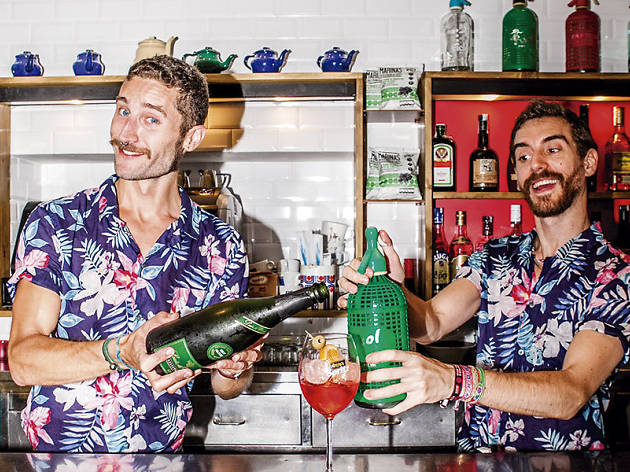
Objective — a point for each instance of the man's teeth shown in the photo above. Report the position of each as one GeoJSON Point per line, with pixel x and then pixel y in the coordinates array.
{"type": "Point", "coordinates": [540, 183]}
{"type": "Point", "coordinates": [130, 153]}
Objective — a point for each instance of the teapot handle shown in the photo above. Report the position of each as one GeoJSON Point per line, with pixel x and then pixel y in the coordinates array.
{"type": "Point", "coordinates": [246, 61]}
{"type": "Point", "coordinates": [29, 62]}
{"type": "Point", "coordinates": [89, 65]}
{"type": "Point", "coordinates": [319, 61]}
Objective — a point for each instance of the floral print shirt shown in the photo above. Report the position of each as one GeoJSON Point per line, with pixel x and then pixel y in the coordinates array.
{"type": "Point", "coordinates": [526, 324]}
{"type": "Point", "coordinates": [79, 248]}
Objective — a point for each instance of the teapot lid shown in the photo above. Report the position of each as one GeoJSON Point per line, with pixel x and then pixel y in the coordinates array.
{"type": "Point", "coordinates": [152, 39]}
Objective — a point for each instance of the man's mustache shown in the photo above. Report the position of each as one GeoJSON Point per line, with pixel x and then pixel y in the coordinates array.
{"type": "Point", "coordinates": [543, 175]}
{"type": "Point", "coordinates": [128, 147]}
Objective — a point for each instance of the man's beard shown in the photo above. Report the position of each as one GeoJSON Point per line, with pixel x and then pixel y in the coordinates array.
{"type": "Point", "coordinates": [545, 206]}
{"type": "Point", "coordinates": [156, 171]}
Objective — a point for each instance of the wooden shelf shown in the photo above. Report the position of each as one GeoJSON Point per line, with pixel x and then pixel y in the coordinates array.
{"type": "Point", "coordinates": [476, 195]}
{"type": "Point", "coordinates": [421, 201]}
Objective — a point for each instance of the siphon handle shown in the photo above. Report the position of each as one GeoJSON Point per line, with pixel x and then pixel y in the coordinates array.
{"type": "Point", "coordinates": [236, 422]}
{"type": "Point", "coordinates": [394, 422]}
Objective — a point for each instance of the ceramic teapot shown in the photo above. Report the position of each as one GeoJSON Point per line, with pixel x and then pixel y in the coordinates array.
{"type": "Point", "coordinates": [266, 60]}
{"type": "Point", "coordinates": [27, 64]}
{"type": "Point", "coordinates": [154, 47]}
{"type": "Point", "coordinates": [88, 63]}
{"type": "Point", "coordinates": [337, 60]}
{"type": "Point", "coordinates": [208, 60]}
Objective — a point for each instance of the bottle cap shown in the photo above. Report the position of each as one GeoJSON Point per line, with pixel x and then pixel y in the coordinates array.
{"type": "Point", "coordinates": [372, 257]}
{"type": "Point", "coordinates": [515, 213]}
{"type": "Point", "coordinates": [458, 3]}
{"type": "Point", "coordinates": [460, 217]}
{"type": "Point", "coordinates": [438, 216]}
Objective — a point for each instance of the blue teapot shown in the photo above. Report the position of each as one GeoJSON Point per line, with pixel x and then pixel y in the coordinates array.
{"type": "Point", "coordinates": [27, 64]}
{"type": "Point", "coordinates": [88, 63]}
{"type": "Point", "coordinates": [266, 60]}
{"type": "Point", "coordinates": [337, 60]}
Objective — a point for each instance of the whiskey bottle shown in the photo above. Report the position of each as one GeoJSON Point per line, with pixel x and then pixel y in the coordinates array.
{"type": "Point", "coordinates": [617, 156]}
{"type": "Point", "coordinates": [486, 232]}
{"type": "Point", "coordinates": [484, 163]}
{"type": "Point", "coordinates": [219, 330]}
{"type": "Point", "coordinates": [443, 160]}
{"type": "Point", "coordinates": [461, 247]}
{"type": "Point", "coordinates": [441, 277]}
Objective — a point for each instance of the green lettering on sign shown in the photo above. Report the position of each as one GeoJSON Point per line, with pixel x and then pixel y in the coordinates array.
{"type": "Point", "coordinates": [182, 359]}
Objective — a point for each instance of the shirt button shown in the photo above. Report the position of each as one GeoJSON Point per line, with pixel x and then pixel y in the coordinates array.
{"type": "Point", "coordinates": [531, 303]}
{"type": "Point", "coordinates": [521, 352]}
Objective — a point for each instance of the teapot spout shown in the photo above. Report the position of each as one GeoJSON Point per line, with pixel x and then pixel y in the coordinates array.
{"type": "Point", "coordinates": [170, 45]}
{"type": "Point", "coordinates": [349, 61]}
{"type": "Point", "coordinates": [283, 58]}
{"type": "Point", "coordinates": [228, 62]}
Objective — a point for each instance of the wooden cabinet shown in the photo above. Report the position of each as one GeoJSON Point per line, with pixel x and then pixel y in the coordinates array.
{"type": "Point", "coordinates": [455, 98]}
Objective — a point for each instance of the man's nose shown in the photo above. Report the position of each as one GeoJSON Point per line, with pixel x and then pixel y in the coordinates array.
{"type": "Point", "coordinates": [539, 161]}
{"type": "Point", "coordinates": [129, 132]}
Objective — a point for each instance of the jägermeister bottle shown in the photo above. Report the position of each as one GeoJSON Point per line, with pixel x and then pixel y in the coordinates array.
{"type": "Point", "coordinates": [520, 38]}
{"type": "Point", "coordinates": [377, 320]}
{"type": "Point", "coordinates": [219, 330]}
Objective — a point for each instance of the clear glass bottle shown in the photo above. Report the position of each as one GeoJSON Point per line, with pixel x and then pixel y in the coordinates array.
{"type": "Point", "coordinates": [484, 163]}
{"type": "Point", "coordinates": [617, 155]}
{"type": "Point", "coordinates": [516, 225]}
{"type": "Point", "coordinates": [443, 160]}
{"type": "Point", "coordinates": [520, 38]}
{"type": "Point", "coordinates": [486, 233]}
{"type": "Point", "coordinates": [441, 277]}
{"type": "Point", "coordinates": [457, 38]}
{"type": "Point", "coordinates": [461, 246]}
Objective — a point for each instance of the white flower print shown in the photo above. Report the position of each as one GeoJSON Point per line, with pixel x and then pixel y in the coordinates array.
{"type": "Point", "coordinates": [556, 336]}
{"type": "Point", "coordinates": [76, 392]}
{"type": "Point", "coordinates": [100, 293]}
{"type": "Point", "coordinates": [579, 440]}
{"type": "Point", "coordinates": [513, 429]}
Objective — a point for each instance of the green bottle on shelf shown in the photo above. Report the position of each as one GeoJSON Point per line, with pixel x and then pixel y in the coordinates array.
{"type": "Point", "coordinates": [520, 38]}
{"type": "Point", "coordinates": [377, 320]}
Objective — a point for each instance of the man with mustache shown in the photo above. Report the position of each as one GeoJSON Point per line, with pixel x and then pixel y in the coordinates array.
{"type": "Point", "coordinates": [97, 271]}
{"type": "Point", "coordinates": [552, 307]}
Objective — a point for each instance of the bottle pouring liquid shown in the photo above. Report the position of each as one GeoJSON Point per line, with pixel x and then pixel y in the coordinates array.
{"type": "Point", "coordinates": [219, 330]}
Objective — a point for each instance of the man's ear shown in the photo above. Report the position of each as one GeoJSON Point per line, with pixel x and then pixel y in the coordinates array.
{"type": "Point", "coordinates": [590, 162]}
{"type": "Point", "coordinates": [193, 137]}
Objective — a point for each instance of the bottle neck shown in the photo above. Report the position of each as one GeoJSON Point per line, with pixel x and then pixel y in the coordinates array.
{"type": "Point", "coordinates": [482, 140]}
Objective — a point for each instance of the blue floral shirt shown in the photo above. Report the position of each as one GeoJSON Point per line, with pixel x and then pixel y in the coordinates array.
{"type": "Point", "coordinates": [527, 324]}
{"type": "Point", "coordinates": [79, 248]}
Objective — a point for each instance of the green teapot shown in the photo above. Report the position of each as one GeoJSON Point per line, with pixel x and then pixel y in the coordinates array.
{"type": "Point", "coordinates": [208, 61]}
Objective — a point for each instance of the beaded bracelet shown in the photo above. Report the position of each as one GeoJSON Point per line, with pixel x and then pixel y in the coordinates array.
{"type": "Point", "coordinates": [481, 387]}
{"type": "Point", "coordinates": [119, 357]}
{"type": "Point", "coordinates": [469, 386]}
{"type": "Point", "coordinates": [108, 358]}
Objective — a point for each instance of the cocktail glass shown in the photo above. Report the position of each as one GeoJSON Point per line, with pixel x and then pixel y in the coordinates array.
{"type": "Point", "coordinates": [329, 374]}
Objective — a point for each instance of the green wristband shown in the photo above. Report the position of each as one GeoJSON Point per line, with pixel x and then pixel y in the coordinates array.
{"type": "Point", "coordinates": [108, 358]}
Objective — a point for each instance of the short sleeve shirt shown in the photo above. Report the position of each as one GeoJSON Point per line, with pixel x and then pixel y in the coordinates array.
{"type": "Point", "coordinates": [79, 248]}
{"type": "Point", "coordinates": [527, 324]}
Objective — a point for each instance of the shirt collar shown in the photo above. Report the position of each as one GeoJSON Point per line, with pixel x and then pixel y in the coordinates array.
{"type": "Point", "coordinates": [592, 235]}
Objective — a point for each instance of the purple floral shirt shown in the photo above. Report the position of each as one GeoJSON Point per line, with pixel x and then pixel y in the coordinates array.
{"type": "Point", "coordinates": [79, 248]}
{"type": "Point", "coordinates": [527, 324]}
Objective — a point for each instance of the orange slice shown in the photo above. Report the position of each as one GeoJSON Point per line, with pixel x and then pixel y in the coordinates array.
{"type": "Point", "coordinates": [329, 353]}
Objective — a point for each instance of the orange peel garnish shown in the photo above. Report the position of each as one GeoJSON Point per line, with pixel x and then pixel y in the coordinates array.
{"type": "Point", "coordinates": [329, 353]}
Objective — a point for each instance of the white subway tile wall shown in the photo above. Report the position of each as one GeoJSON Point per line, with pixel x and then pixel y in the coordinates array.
{"type": "Point", "coordinates": [294, 165]}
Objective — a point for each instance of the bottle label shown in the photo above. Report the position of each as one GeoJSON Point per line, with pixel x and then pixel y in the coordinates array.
{"type": "Point", "coordinates": [440, 268]}
{"type": "Point", "coordinates": [182, 359]}
{"type": "Point", "coordinates": [456, 263]}
{"type": "Point", "coordinates": [442, 165]}
{"type": "Point", "coordinates": [218, 351]}
{"type": "Point", "coordinates": [484, 172]}
{"type": "Point", "coordinates": [252, 325]}
{"type": "Point", "coordinates": [621, 161]}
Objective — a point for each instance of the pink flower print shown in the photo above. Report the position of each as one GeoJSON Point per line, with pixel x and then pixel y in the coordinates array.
{"type": "Point", "coordinates": [33, 422]}
{"type": "Point", "coordinates": [181, 425]}
{"type": "Point", "coordinates": [493, 421]}
{"type": "Point", "coordinates": [596, 446]}
{"type": "Point", "coordinates": [35, 259]}
{"type": "Point", "coordinates": [180, 299]}
{"type": "Point", "coordinates": [217, 265]}
{"type": "Point", "coordinates": [579, 440]}
{"type": "Point", "coordinates": [112, 394]}
{"type": "Point", "coordinates": [127, 278]}
{"type": "Point", "coordinates": [522, 295]}
{"type": "Point", "coordinates": [102, 204]}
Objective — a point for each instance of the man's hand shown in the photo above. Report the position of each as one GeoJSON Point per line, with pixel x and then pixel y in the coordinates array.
{"type": "Point", "coordinates": [423, 379]}
{"type": "Point", "coordinates": [351, 278]}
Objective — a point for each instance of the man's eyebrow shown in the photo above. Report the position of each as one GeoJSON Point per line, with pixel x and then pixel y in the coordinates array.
{"type": "Point", "coordinates": [545, 140]}
{"type": "Point", "coordinates": [158, 108]}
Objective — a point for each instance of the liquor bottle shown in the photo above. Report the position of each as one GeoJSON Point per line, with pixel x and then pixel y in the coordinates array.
{"type": "Point", "coordinates": [582, 38]}
{"type": "Point", "coordinates": [457, 38]}
{"type": "Point", "coordinates": [219, 330]}
{"type": "Point", "coordinates": [591, 182]}
{"type": "Point", "coordinates": [441, 271]}
{"type": "Point", "coordinates": [617, 156]}
{"type": "Point", "coordinates": [512, 182]}
{"type": "Point", "coordinates": [461, 247]}
{"type": "Point", "coordinates": [377, 320]}
{"type": "Point", "coordinates": [410, 275]}
{"type": "Point", "coordinates": [443, 160]}
{"type": "Point", "coordinates": [516, 227]}
{"type": "Point", "coordinates": [520, 38]}
{"type": "Point", "coordinates": [623, 228]}
{"type": "Point", "coordinates": [484, 163]}
{"type": "Point", "coordinates": [486, 232]}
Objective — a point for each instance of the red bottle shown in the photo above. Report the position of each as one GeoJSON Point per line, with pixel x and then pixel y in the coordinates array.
{"type": "Point", "coordinates": [461, 246]}
{"type": "Point", "coordinates": [582, 38]}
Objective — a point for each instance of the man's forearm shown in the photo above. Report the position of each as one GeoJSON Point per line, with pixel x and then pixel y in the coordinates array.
{"type": "Point", "coordinates": [42, 360]}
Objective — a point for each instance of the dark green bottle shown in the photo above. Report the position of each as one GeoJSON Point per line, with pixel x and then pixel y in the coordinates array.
{"type": "Point", "coordinates": [377, 320]}
{"type": "Point", "coordinates": [520, 38]}
{"type": "Point", "coordinates": [216, 332]}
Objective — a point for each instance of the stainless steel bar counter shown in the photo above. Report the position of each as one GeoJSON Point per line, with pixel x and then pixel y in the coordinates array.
{"type": "Point", "coordinates": [503, 462]}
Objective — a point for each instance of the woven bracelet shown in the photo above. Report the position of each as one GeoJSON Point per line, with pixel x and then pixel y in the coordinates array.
{"type": "Point", "coordinates": [119, 357]}
{"type": "Point", "coordinates": [108, 358]}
